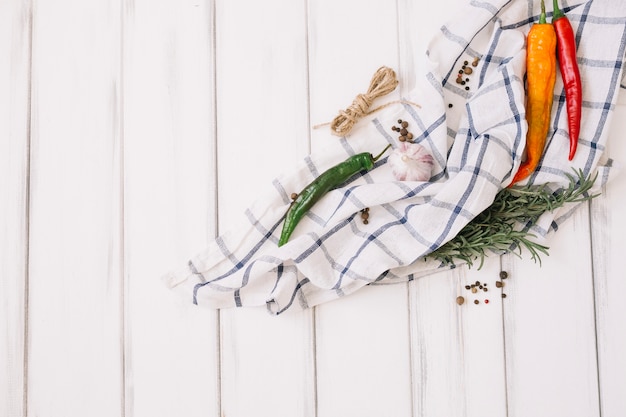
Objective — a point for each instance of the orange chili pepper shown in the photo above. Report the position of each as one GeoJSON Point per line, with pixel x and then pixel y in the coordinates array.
{"type": "Point", "coordinates": [541, 76]}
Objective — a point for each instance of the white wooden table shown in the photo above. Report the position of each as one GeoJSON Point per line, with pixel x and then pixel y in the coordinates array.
{"type": "Point", "coordinates": [133, 131]}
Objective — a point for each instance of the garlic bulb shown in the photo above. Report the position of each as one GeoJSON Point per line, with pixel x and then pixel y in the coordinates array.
{"type": "Point", "coordinates": [411, 162]}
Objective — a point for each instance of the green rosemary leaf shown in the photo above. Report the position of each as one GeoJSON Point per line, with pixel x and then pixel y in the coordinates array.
{"type": "Point", "coordinates": [494, 230]}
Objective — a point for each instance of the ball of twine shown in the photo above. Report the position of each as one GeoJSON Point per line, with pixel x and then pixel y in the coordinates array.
{"type": "Point", "coordinates": [383, 82]}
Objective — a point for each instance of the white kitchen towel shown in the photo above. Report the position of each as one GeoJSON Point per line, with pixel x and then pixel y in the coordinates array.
{"type": "Point", "coordinates": [476, 137]}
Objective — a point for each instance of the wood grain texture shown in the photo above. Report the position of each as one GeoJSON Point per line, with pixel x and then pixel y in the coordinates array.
{"type": "Point", "coordinates": [262, 102]}
{"type": "Point", "coordinates": [75, 262]}
{"type": "Point", "coordinates": [457, 350]}
{"type": "Point", "coordinates": [15, 32]}
{"type": "Point", "coordinates": [608, 240]}
{"type": "Point", "coordinates": [147, 126]}
{"type": "Point", "coordinates": [550, 327]}
{"type": "Point", "coordinates": [171, 346]}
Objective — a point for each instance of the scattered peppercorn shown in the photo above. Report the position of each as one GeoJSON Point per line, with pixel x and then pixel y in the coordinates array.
{"type": "Point", "coordinates": [460, 300]}
{"type": "Point", "coordinates": [450, 105]}
{"type": "Point", "coordinates": [477, 286]}
{"type": "Point", "coordinates": [365, 215]}
{"type": "Point", "coordinates": [499, 284]}
{"type": "Point", "coordinates": [294, 196]}
{"type": "Point", "coordinates": [504, 275]}
{"type": "Point", "coordinates": [468, 70]}
{"type": "Point", "coordinates": [503, 295]}
{"type": "Point", "coordinates": [405, 135]}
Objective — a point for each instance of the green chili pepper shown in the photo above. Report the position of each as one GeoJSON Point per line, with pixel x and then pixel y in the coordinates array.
{"type": "Point", "coordinates": [325, 182]}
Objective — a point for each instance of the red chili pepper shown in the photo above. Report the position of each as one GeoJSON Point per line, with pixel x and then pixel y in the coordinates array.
{"type": "Point", "coordinates": [566, 50]}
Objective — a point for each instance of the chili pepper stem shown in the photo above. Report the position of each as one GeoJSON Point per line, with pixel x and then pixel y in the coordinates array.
{"type": "Point", "coordinates": [542, 16]}
{"type": "Point", "coordinates": [557, 12]}
{"type": "Point", "coordinates": [377, 157]}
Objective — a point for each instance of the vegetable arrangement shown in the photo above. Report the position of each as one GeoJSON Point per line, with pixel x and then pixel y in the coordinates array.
{"type": "Point", "coordinates": [495, 228]}
{"type": "Point", "coordinates": [545, 41]}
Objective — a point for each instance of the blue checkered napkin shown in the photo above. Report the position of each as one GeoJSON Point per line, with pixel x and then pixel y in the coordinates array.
{"type": "Point", "coordinates": [477, 139]}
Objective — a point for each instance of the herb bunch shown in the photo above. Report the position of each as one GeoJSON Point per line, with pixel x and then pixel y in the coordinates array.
{"type": "Point", "coordinates": [496, 229]}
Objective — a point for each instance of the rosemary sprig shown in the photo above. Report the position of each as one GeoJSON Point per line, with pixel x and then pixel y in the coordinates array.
{"type": "Point", "coordinates": [494, 230]}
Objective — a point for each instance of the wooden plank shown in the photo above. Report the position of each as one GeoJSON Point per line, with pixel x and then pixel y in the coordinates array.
{"type": "Point", "coordinates": [74, 340]}
{"type": "Point", "coordinates": [550, 329]}
{"type": "Point", "coordinates": [15, 32]}
{"type": "Point", "coordinates": [363, 354]}
{"type": "Point", "coordinates": [267, 362]}
{"type": "Point", "coordinates": [363, 339]}
{"type": "Point", "coordinates": [172, 346]}
{"type": "Point", "coordinates": [607, 227]}
{"type": "Point", "coordinates": [458, 350]}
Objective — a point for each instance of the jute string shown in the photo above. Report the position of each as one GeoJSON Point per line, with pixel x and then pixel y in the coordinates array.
{"type": "Point", "coordinates": [383, 82]}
